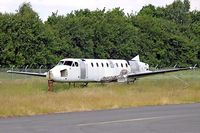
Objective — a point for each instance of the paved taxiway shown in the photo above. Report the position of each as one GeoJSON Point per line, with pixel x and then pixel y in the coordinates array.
{"type": "Point", "coordinates": [153, 119]}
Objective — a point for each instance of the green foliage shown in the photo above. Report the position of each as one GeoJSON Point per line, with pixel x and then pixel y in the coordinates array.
{"type": "Point", "coordinates": [178, 11]}
{"type": "Point", "coordinates": [161, 35]}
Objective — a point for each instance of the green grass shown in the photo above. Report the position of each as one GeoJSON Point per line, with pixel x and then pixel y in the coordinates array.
{"type": "Point", "coordinates": [25, 95]}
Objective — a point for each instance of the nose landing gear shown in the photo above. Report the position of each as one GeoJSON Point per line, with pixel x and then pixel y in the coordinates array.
{"type": "Point", "coordinates": [50, 85]}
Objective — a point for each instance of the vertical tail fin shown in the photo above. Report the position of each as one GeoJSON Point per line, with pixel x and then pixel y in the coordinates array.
{"type": "Point", "coordinates": [136, 58]}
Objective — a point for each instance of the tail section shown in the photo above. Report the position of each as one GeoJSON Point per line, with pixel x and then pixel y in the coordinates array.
{"type": "Point", "coordinates": [136, 58]}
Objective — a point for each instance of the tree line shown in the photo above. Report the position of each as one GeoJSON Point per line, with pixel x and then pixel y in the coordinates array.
{"type": "Point", "coordinates": [160, 35]}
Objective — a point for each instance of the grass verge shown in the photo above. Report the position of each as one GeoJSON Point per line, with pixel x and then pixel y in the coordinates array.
{"type": "Point", "coordinates": [28, 95]}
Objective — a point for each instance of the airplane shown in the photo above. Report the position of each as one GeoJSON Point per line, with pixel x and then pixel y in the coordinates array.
{"type": "Point", "coordinates": [97, 70]}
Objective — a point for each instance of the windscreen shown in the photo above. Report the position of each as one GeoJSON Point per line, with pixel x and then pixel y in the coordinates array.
{"type": "Point", "coordinates": [60, 62]}
{"type": "Point", "coordinates": [68, 63]}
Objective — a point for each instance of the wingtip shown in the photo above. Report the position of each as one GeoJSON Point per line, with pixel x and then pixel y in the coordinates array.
{"type": "Point", "coordinates": [195, 66]}
{"type": "Point", "coordinates": [8, 71]}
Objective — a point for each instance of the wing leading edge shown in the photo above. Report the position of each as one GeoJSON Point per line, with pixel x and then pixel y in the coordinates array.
{"type": "Point", "coordinates": [28, 73]}
{"type": "Point", "coordinates": [142, 74]}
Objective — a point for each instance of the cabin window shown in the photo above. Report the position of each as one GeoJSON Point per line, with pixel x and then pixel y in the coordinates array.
{"type": "Point", "coordinates": [117, 64]}
{"type": "Point", "coordinates": [68, 63]}
{"type": "Point", "coordinates": [111, 64]}
{"type": "Point", "coordinates": [92, 64]}
{"type": "Point", "coordinates": [126, 65]}
{"type": "Point", "coordinates": [102, 64]}
{"type": "Point", "coordinates": [97, 64]}
{"type": "Point", "coordinates": [107, 64]}
{"type": "Point", "coordinates": [121, 65]}
{"type": "Point", "coordinates": [76, 64]}
{"type": "Point", "coordinates": [73, 65]}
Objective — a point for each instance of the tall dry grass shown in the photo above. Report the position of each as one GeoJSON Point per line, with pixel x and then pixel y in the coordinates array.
{"type": "Point", "coordinates": [29, 96]}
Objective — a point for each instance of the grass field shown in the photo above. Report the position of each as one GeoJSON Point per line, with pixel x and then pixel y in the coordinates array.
{"type": "Point", "coordinates": [24, 95]}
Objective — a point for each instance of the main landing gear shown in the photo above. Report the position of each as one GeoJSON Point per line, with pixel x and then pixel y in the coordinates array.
{"type": "Point", "coordinates": [85, 84]}
{"type": "Point", "coordinates": [50, 85]}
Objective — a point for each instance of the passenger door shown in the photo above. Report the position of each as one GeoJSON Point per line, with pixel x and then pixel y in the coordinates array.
{"type": "Point", "coordinates": [75, 71]}
{"type": "Point", "coordinates": [83, 69]}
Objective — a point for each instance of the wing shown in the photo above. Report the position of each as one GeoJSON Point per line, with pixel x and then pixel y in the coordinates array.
{"type": "Point", "coordinates": [142, 74]}
{"type": "Point", "coordinates": [28, 73]}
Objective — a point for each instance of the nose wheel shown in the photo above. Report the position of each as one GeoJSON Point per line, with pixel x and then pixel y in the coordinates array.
{"type": "Point", "coordinates": [50, 85]}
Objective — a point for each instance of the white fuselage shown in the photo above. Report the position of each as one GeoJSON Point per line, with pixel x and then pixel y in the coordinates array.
{"type": "Point", "coordinates": [93, 70]}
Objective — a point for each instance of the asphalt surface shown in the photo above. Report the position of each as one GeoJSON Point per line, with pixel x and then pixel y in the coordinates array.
{"type": "Point", "coordinates": [152, 119]}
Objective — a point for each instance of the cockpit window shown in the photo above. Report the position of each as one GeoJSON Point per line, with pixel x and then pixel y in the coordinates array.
{"type": "Point", "coordinates": [76, 64]}
{"type": "Point", "coordinates": [68, 63]}
{"type": "Point", "coordinates": [61, 63]}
